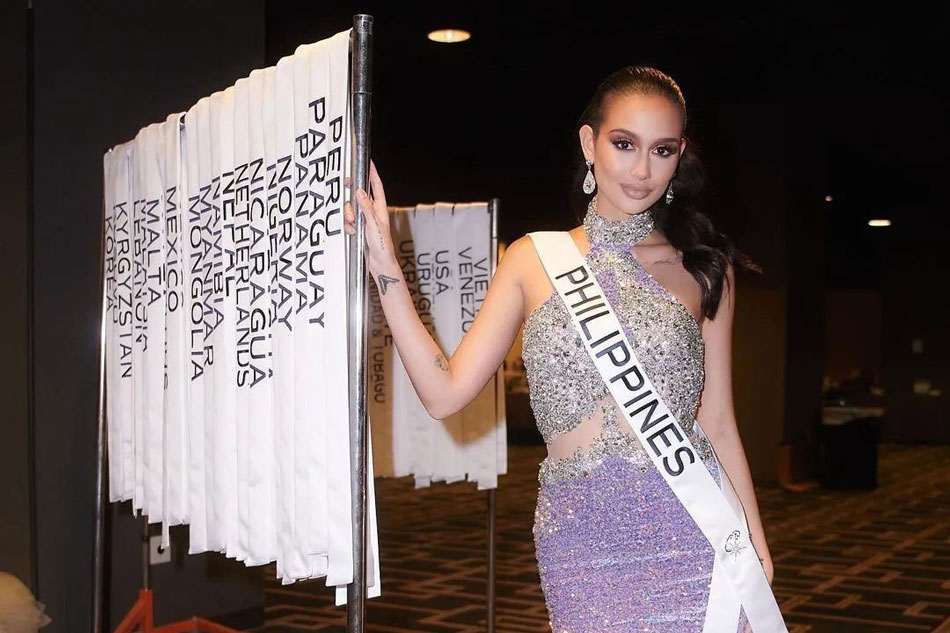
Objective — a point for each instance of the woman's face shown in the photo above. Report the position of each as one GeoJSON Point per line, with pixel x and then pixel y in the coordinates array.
{"type": "Point", "coordinates": [635, 154]}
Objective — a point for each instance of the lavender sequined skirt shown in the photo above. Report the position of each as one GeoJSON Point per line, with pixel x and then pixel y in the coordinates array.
{"type": "Point", "coordinates": [618, 552]}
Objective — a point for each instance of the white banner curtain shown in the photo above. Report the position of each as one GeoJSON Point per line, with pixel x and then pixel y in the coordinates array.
{"type": "Point", "coordinates": [207, 122]}
{"type": "Point", "coordinates": [175, 401]}
{"type": "Point", "coordinates": [139, 322]}
{"type": "Point", "coordinates": [194, 254]}
{"type": "Point", "coordinates": [209, 150]}
{"type": "Point", "coordinates": [226, 476]}
{"type": "Point", "coordinates": [310, 465]}
{"type": "Point", "coordinates": [403, 431]}
{"type": "Point", "coordinates": [471, 226]}
{"type": "Point", "coordinates": [153, 233]}
{"type": "Point", "coordinates": [334, 61]}
{"type": "Point", "coordinates": [225, 280]}
{"type": "Point", "coordinates": [449, 458]}
{"type": "Point", "coordinates": [242, 307]}
{"type": "Point", "coordinates": [110, 340]}
{"type": "Point", "coordinates": [255, 332]}
{"type": "Point", "coordinates": [124, 317]}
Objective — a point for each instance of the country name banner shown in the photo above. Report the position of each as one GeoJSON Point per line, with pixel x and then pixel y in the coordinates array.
{"type": "Point", "coordinates": [444, 251]}
{"type": "Point", "coordinates": [225, 282]}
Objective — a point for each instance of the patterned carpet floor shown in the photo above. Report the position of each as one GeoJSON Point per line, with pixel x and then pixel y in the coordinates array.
{"type": "Point", "coordinates": [845, 561]}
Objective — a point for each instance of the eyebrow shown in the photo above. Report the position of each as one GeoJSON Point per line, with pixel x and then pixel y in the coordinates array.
{"type": "Point", "coordinates": [634, 135]}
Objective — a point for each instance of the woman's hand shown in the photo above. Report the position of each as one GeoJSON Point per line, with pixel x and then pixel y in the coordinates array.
{"type": "Point", "coordinates": [379, 240]}
{"type": "Point", "coordinates": [769, 571]}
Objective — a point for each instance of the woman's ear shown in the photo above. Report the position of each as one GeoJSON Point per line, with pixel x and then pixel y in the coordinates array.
{"type": "Point", "coordinates": [586, 135]}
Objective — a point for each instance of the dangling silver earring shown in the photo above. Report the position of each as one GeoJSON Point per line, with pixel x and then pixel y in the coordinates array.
{"type": "Point", "coordinates": [589, 182]}
{"type": "Point", "coordinates": [669, 192]}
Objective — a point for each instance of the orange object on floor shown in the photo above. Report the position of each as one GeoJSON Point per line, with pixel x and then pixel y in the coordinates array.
{"type": "Point", "coordinates": [141, 618]}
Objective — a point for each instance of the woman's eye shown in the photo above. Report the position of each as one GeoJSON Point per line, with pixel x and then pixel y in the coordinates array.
{"type": "Point", "coordinates": [621, 144]}
{"type": "Point", "coordinates": [669, 151]}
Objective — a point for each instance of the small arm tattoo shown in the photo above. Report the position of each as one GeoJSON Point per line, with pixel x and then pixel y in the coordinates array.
{"type": "Point", "coordinates": [385, 281]}
{"type": "Point", "coordinates": [441, 363]}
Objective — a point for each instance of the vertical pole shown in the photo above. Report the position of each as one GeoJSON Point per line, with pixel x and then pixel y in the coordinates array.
{"type": "Point", "coordinates": [360, 101]}
{"type": "Point", "coordinates": [490, 589]}
{"type": "Point", "coordinates": [99, 529]}
{"type": "Point", "coordinates": [490, 584]}
{"type": "Point", "coordinates": [146, 551]}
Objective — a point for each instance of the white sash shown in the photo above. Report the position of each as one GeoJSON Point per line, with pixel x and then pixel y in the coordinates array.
{"type": "Point", "coordinates": [471, 226]}
{"type": "Point", "coordinates": [175, 405]}
{"type": "Point", "coordinates": [226, 475]}
{"type": "Point", "coordinates": [261, 487]}
{"type": "Point", "coordinates": [242, 305]}
{"type": "Point", "coordinates": [109, 275]}
{"type": "Point", "coordinates": [310, 422]}
{"type": "Point", "coordinates": [448, 459]}
{"type": "Point", "coordinates": [738, 578]}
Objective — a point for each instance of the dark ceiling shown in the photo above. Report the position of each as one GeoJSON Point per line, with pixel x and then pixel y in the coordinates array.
{"type": "Point", "coordinates": [847, 100]}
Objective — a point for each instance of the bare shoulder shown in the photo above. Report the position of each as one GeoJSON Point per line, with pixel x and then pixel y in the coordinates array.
{"type": "Point", "coordinates": [536, 288]}
{"type": "Point", "coordinates": [518, 255]}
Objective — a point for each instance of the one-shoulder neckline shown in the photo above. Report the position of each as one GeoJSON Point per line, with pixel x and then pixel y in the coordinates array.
{"type": "Point", "coordinates": [672, 297]}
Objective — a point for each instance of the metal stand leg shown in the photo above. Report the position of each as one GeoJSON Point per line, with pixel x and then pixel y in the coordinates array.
{"type": "Point", "coordinates": [360, 87]}
{"type": "Point", "coordinates": [101, 434]}
{"type": "Point", "coordinates": [490, 618]}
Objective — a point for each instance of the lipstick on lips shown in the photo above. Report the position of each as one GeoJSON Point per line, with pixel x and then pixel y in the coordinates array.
{"type": "Point", "coordinates": [636, 193]}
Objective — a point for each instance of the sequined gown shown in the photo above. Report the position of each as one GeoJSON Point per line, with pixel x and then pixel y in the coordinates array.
{"type": "Point", "coordinates": [616, 550]}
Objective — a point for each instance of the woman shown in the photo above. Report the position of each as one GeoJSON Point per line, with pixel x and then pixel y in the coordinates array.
{"type": "Point", "coordinates": [616, 549]}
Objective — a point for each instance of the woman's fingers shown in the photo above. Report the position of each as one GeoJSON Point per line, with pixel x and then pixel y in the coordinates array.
{"type": "Point", "coordinates": [348, 218]}
{"type": "Point", "coordinates": [371, 231]}
{"type": "Point", "coordinates": [372, 208]}
{"type": "Point", "coordinates": [365, 203]}
{"type": "Point", "coordinates": [379, 194]}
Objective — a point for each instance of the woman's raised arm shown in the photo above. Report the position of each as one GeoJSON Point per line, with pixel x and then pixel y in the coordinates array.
{"type": "Point", "coordinates": [444, 386]}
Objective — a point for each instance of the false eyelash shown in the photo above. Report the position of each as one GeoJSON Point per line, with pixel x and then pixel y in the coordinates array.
{"type": "Point", "coordinates": [671, 151]}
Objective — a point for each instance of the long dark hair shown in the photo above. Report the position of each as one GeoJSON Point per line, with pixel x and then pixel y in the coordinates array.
{"type": "Point", "coordinates": [706, 251]}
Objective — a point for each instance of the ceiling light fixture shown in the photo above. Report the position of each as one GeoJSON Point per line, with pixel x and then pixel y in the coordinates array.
{"type": "Point", "coordinates": [879, 222]}
{"type": "Point", "coordinates": [449, 36]}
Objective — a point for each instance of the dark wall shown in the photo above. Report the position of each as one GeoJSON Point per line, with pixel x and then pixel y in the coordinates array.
{"type": "Point", "coordinates": [854, 325]}
{"type": "Point", "coordinates": [915, 308]}
{"type": "Point", "coordinates": [746, 180]}
{"type": "Point", "coordinates": [15, 516]}
{"type": "Point", "coordinates": [102, 71]}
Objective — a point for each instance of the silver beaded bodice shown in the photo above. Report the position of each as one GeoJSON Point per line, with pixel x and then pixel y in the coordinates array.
{"type": "Point", "coordinates": [564, 385]}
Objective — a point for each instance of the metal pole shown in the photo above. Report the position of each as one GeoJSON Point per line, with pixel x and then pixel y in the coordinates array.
{"type": "Point", "coordinates": [490, 589]}
{"type": "Point", "coordinates": [490, 597]}
{"type": "Point", "coordinates": [146, 569]}
{"type": "Point", "coordinates": [100, 518]}
{"type": "Point", "coordinates": [361, 38]}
